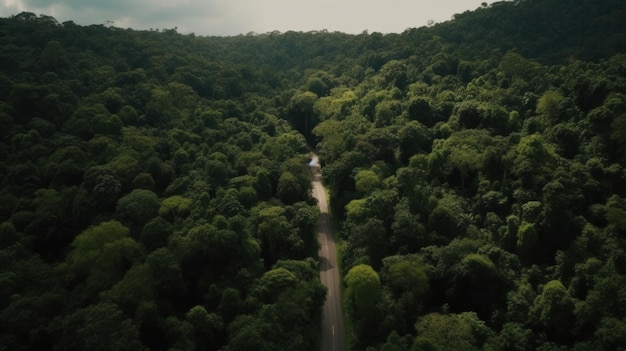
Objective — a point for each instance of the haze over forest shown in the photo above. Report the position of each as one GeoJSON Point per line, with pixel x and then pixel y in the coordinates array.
{"type": "Point", "coordinates": [155, 191]}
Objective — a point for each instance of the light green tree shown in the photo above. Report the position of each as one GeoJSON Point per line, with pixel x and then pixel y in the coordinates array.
{"type": "Point", "coordinates": [527, 240]}
{"type": "Point", "coordinates": [363, 288]}
{"type": "Point", "coordinates": [175, 207]}
{"type": "Point", "coordinates": [553, 309]}
{"type": "Point", "coordinates": [437, 331]}
{"type": "Point", "coordinates": [366, 181]}
{"type": "Point", "coordinates": [102, 254]}
{"type": "Point", "coordinates": [547, 105]}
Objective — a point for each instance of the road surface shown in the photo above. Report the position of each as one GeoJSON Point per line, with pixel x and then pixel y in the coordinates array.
{"type": "Point", "coordinates": [333, 334]}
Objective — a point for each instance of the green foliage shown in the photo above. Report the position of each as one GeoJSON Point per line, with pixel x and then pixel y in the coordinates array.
{"type": "Point", "coordinates": [616, 217]}
{"type": "Point", "coordinates": [137, 285]}
{"type": "Point", "coordinates": [424, 344]}
{"type": "Point", "coordinates": [548, 104]}
{"type": "Point", "coordinates": [102, 254]}
{"type": "Point", "coordinates": [444, 332]}
{"type": "Point", "coordinates": [289, 189]}
{"type": "Point", "coordinates": [397, 343]}
{"type": "Point", "coordinates": [477, 261]}
{"type": "Point", "coordinates": [230, 304]}
{"type": "Point", "coordinates": [206, 327]}
{"type": "Point", "coordinates": [102, 181]}
{"type": "Point", "coordinates": [8, 234]}
{"type": "Point", "coordinates": [366, 181]}
{"type": "Point", "coordinates": [513, 336]}
{"type": "Point", "coordinates": [249, 333]}
{"type": "Point", "coordinates": [611, 333]}
{"type": "Point", "coordinates": [155, 233]}
{"type": "Point", "coordinates": [95, 327]}
{"type": "Point", "coordinates": [363, 288]}
{"type": "Point", "coordinates": [526, 241]}
{"type": "Point", "coordinates": [554, 309]}
{"type": "Point", "coordinates": [175, 207]}
{"type": "Point", "coordinates": [139, 206]}
{"type": "Point", "coordinates": [443, 221]}
{"type": "Point", "coordinates": [532, 159]}
{"type": "Point", "coordinates": [468, 163]}
{"type": "Point", "coordinates": [407, 275]}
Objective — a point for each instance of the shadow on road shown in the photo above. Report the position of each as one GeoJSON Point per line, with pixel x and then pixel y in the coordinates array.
{"type": "Point", "coordinates": [325, 264]}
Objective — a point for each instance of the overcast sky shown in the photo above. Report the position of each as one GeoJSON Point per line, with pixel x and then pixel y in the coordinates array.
{"type": "Point", "coordinates": [233, 17]}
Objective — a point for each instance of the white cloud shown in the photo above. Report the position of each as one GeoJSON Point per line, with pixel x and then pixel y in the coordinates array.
{"type": "Point", "coordinates": [232, 17]}
{"type": "Point", "coordinates": [11, 6]}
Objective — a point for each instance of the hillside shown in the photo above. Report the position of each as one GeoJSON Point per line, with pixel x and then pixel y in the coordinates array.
{"type": "Point", "coordinates": [154, 189]}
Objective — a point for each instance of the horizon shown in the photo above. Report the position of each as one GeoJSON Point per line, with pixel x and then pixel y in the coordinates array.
{"type": "Point", "coordinates": [232, 18]}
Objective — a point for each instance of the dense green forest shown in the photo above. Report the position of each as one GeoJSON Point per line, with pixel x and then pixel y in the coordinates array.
{"type": "Point", "coordinates": [155, 190]}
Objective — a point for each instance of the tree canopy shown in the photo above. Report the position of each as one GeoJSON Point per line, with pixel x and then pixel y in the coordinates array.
{"type": "Point", "coordinates": [155, 192]}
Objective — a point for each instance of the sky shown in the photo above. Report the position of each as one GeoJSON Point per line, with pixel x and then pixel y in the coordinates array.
{"type": "Point", "coordinates": [234, 17]}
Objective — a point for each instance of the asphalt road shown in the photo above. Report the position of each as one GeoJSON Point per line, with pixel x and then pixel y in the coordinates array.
{"type": "Point", "coordinates": [333, 333]}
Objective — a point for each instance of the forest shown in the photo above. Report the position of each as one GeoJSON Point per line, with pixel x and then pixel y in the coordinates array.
{"type": "Point", "coordinates": [155, 193]}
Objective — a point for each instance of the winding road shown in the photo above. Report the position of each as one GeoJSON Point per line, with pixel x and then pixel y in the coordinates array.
{"type": "Point", "coordinates": [333, 333]}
